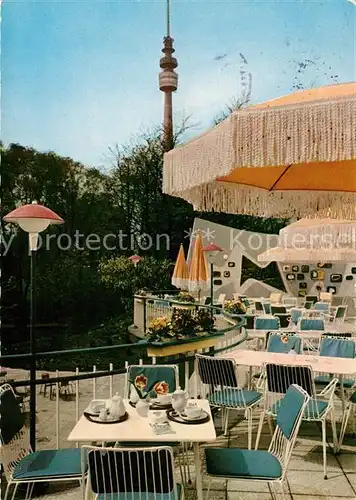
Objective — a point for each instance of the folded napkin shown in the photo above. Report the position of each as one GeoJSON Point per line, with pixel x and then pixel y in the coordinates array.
{"type": "Point", "coordinates": [162, 428]}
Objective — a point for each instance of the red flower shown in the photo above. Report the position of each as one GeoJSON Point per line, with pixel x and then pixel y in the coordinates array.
{"type": "Point", "coordinates": [140, 382]}
{"type": "Point", "coordinates": [161, 388]}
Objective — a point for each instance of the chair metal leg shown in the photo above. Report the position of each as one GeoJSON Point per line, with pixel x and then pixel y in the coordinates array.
{"type": "Point", "coordinates": [249, 423]}
{"type": "Point", "coordinates": [14, 491]}
{"type": "Point", "coordinates": [333, 427]}
{"type": "Point", "coordinates": [270, 425]}
{"type": "Point", "coordinates": [208, 489]}
{"type": "Point", "coordinates": [345, 420]}
{"type": "Point", "coordinates": [259, 431]}
{"type": "Point", "coordinates": [323, 430]}
{"type": "Point", "coordinates": [226, 422]}
{"type": "Point", "coordinates": [282, 491]}
{"type": "Point", "coordinates": [7, 490]}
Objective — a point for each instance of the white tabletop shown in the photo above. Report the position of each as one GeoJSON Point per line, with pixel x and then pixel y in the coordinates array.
{"type": "Point", "coordinates": [137, 428]}
{"type": "Point", "coordinates": [341, 366]}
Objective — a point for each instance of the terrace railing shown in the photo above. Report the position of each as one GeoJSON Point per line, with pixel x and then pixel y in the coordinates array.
{"type": "Point", "coordinates": [72, 393]}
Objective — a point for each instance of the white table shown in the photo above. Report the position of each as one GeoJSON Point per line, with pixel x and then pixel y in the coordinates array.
{"type": "Point", "coordinates": [136, 428]}
{"type": "Point", "coordinates": [336, 366]}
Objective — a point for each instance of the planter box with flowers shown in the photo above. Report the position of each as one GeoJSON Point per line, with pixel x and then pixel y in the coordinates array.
{"type": "Point", "coordinates": [234, 308]}
{"type": "Point", "coordinates": [183, 332]}
{"type": "Point", "coordinates": [183, 300]}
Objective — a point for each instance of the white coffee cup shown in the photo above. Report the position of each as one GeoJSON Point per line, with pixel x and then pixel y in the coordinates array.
{"type": "Point", "coordinates": [164, 399]}
{"type": "Point", "coordinates": [192, 410]}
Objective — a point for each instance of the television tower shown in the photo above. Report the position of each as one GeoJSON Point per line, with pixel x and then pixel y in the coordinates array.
{"type": "Point", "coordinates": [168, 83]}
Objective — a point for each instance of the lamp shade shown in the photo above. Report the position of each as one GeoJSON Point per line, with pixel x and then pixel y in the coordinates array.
{"type": "Point", "coordinates": [211, 251]}
{"type": "Point", "coordinates": [33, 218]}
{"type": "Point", "coordinates": [135, 259]}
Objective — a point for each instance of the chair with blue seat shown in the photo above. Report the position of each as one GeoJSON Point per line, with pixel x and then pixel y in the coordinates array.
{"type": "Point", "coordinates": [153, 374]}
{"type": "Point", "coordinates": [263, 325]}
{"type": "Point", "coordinates": [311, 324]}
{"type": "Point", "coordinates": [267, 309]}
{"type": "Point", "coordinates": [320, 405]}
{"type": "Point", "coordinates": [295, 314]}
{"type": "Point", "coordinates": [259, 465]}
{"type": "Point", "coordinates": [336, 347]}
{"type": "Point", "coordinates": [131, 474]}
{"type": "Point", "coordinates": [23, 466]}
{"type": "Point", "coordinates": [218, 381]}
{"type": "Point", "coordinates": [284, 343]}
{"type": "Point", "coordinates": [322, 306]}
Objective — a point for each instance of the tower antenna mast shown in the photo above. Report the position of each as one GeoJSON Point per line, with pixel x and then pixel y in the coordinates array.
{"type": "Point", "coordinates": [168, 81]}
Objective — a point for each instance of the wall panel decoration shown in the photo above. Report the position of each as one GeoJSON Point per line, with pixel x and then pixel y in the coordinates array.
{"type": "Point", "coordinates": [217, 282]}
{"type": "Point", "coordinates": [300, 277]}
{"type": "Point", "coordinates": [303, 285]}
{"type": "Point", "coordinates": [286, 269]}
{"type": "Point", "coordinates": [304, 268]}
{"type": "Point", "coordinates": [331, 289]}
{"type": "Point", "coordinates": [302, 293]}
{"type": "Point", "coordinates": [322, 265]}
{"type": "Point", "coordinates": [335, 278]}
{"type": "Point", "coordinates": [295, 269]}
{"type": "Point", "coordinates": [290, 277]}
{"type": "Point", "coordinates": [226, 274]}
{"type": "Point", "coordinates": [231, 264]}
{"type": "Point", "coordinates": [216, 274]}
{"type": "Point", "coordinates": [349, 277]}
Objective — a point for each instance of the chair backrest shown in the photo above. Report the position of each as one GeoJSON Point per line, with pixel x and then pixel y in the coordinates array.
{"type": "Point", "coordinates": [267, 309]}
{"type": "Point", "coordinates": [341, 312]}
{"type": "Point", "coordinates": [216, 371]}
{"type": "Point", "coordinates": [130, 473]}
{"type": "Point", "coordinates": [280, 377]}
{"type": "Point", "coordinates": [337, 347]}
{"type": "Point", "coordinates": [13, 432]}
{"type": "Point", "coordinates": [289, 416]}
{"type": "Point", "coordinates": [250, 321]}
{"type": "Point", "coordinates": [284, 343]}
{"type": "Point", "coordinates": [266, 323]}
{"type": "Point", "coordinates": [284, 319]}
{"type": "Point", "coordinates": [275, 298]}
{"type": "Point", "coordinates": [152, 373]}
{"type": "Point", "coordinates": [326, 296]}
{"type": "Point", "coordinates": [278, 309]}
{"type": "Point", "coordinates": [308, 304]}
{"type": "Point", "coordinates": [258, 306]}
{"type": "Point", "coordinates": [315, 324]}
{"type": "Point", "coordinates": [322, 306]}
{"type": "Point", "coordinates": [295, 314]}
{"type": "Point", "coordinates": [311, 298]}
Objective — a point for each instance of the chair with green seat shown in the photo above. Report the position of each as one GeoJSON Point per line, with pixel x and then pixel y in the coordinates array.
{"type": "Point", "coordinates": [131, 474]}
{"type": "Point", "coordinates": [153, 374]}
{"type": "Point", "coordinates": [336, 347]}
{"type": "Point", "coordinates": [263, 325]}
{"type": "Point", "coordinates": [267, 308]}
{"type": "Point", "coordinates": [282, 343]}
{"type": "Point", "coordinates": [257, 465]}
{"type": "Point", "coordinates": [218, 381]}
{"type": "Point", "coordinates": [322, 306]}
{"type": "Point", "coordinates": [318, 409]}
{"type": "Point", "coordinates": [22, 465]}
{"type": "Point", "coordinates": [311, 324]}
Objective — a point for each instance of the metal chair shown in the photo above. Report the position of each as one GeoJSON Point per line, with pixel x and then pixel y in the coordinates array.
{"type": "Point", "coordinates": [267, 309]}
{"type": "Point", "coordinates": [153, 373]}
{"type": "Point", "coordinates": [289, 301]}
{"type": "Point", "coordinates": [220, 385]}
{"type": "Point", "coordinates": [279, 379]}
{"type": "Point", "coordinates": [50, 385]}
{"type": "Point", "coordinates": [278, 310]}
{"type": "Point", "coordinates": [259, 465]}
{"type": "Point", "coordinates": [22, 465]}
{"type": "Point", "coordinates": [311, 324]}
{"type": "Point", "coordinates": [336, 347]}
{"type": "Point", "coordinates": [130, 474]}
{"type": "Point", "coordinates": [311, 298]}
{"type": "Point", "coordinates": [322, 306]}
{"type": "Point", "coordinates": [295, 314]}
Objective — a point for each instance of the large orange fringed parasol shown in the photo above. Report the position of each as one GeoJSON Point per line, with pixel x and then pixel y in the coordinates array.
{"type": "Point", "coordinates": [295, 155]}
{"type": "Point", "coordinates": [198, 270]}
{"type": "Point", "coordinates": [180, 273]}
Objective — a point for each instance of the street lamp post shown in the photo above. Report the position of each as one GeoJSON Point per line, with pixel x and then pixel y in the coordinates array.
{"type": "Point", "coordinates": [33, 219]}
{"type": "Point", "coordinates": [211, 252]}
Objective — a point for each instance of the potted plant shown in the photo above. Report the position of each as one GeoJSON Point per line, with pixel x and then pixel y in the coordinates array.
{"type": "Point", "coordinates": [184, 300]}
{"type": "Point", "coordinates": [183, 333]}
{"type": "Point", "coordinates": [234, 307]}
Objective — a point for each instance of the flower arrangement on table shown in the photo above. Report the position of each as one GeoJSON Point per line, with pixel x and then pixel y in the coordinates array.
{"type": "Point", "coordinates": [182, 325]}
{"type": "Point", "coordinates": [140, 384]}
{"type": "Point", "coordinates": [235, 306]}
{"type": "Point", "coordinates": [184, 296]}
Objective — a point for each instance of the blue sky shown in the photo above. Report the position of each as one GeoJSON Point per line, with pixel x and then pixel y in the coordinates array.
{"type": "Point", "coordinates": [81, 76]}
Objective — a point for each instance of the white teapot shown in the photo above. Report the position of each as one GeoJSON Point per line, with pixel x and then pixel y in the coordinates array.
{"type": "Point", "coordinates": [117, 407]}
{"type": "Point", "coordinates": [179, 400]}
